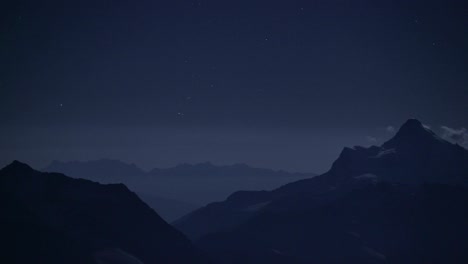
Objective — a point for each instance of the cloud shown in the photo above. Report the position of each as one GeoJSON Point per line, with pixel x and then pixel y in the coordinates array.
{"type": "Point", "coordinates": [371, 139]}
{"type": "Point", "coordinates": [390, 129]}
{"type": "Point", "coordinates": [459, 136]}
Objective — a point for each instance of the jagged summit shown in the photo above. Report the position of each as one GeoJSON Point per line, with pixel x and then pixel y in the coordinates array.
{"type": "Point", "coordinates": [17, 166]}
{"type": "Point", "coordinates": [412, 133]}
{"type": "Point", "coordinates": [412, 122]}
{"type": "Point", "coordinates": [414, 155]}
{"type": "Point", "coordinates": [413, 127]}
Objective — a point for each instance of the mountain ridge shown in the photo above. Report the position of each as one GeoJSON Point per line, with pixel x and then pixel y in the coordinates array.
{"type": "Point", "coordinates": [195, 184]}
{"type": "Point", "coordinates": [57, 209]}
{"type": "Point", "coordinates": [401, 202]}
{"type": "Point", "coordinates": [430, 160]}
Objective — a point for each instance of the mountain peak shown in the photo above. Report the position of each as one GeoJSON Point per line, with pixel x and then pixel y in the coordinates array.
{"type": "Point", "coordinates": [18, 166]}
{"type": "Point", "coordinates": [410, 133]}
{"type": "Point", "coordinates": [412, 124]}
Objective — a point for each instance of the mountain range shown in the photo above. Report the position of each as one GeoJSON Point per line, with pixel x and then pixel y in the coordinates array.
{"type": "Point", "coordinates": [401, 202]}
{"type": "Point", "coordinates": [174, 192]}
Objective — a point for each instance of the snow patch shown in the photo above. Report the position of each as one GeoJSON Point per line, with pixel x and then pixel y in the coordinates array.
{"type": "Point", "coordinates": [374, 253]}
{"type": "Point", "coordinates": [385, 152]}
{"type": "Point", "coordinates": [277, 252]}
{"type": "Point", "coordinates": [366, 176]}
{"type": "Point", "coordinates": [256, 207]}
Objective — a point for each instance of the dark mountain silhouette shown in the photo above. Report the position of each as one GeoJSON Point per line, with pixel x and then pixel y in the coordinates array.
{"type": "Point", "coordinates": [402, 202]}
{"type": "Point", "coordinates": [168, 209]}
{"type": "Point", "coordinates": [114, 171]}
{"type": "Point", "coordinates": [174, 192]}
{"type": "Point", "coordinates": [381, 223]}
{"type": "Point", "coordinates": [51, 218]}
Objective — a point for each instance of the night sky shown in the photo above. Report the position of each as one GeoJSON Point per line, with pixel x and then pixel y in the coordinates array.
{"type": "Point", "coordinates": [276, 84]}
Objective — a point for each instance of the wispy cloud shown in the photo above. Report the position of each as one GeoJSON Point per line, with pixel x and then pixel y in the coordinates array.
{"type": "Point", "coordinates": [390, 129]}
{"type": "Point", "coordinates": [454, 135]}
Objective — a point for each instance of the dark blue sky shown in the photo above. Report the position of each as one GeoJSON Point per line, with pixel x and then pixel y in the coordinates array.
{"type": "Point", "coordinates": [281, 84]}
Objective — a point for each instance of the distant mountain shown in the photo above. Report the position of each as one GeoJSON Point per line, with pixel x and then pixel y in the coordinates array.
{"type": "Point", "coordinates": [402, 202]}
{"type": "Point", "coordinates": [204, 182]}
{"type": "Point", "coordinates": [207, 169]}
{"type": "Point", "coordinates": [51, 218]}
{"type": "Point", "coordinates": [180, 188]}
{"type": "Point", "coordinates": [103, 170]}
